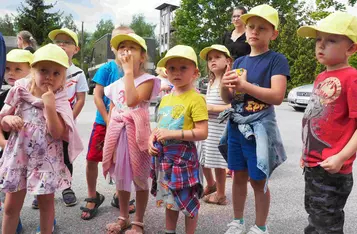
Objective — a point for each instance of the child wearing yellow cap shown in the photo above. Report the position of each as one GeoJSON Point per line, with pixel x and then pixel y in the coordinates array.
{"type": "Point", "coordinates": [17, 67]}
{"type": "Point", "coordinates": [253, 94]}
{"type": "Point", "coordinates": [125, 152]}
{"type": "Point", "coordinates": [39, 118]}
{"type": "Point", "coordinates": [182, 120]}
{"type": "Point", "coordinates": [329, 126]}
{"type": "Point", "coordinates": [218, 62]}
{"type": "Point", "coordinates": [76, 85]}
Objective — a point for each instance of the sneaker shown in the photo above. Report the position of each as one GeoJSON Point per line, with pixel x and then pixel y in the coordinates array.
{"type": "Point", "coordinates": [35, 203]}
{"type": "Point", "coordinates": [256, 230]}
{"type": "Point", "coordinates": [19, 227]}
{"type": "Point", "coordinates": [235, 227]}
{"type": "Point", "coordinates": [38, 231]}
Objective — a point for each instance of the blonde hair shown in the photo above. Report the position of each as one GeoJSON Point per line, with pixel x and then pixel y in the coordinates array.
{"type": "Point", "coordinates": [123, 29]}
{"type": "Point", "coordinates": [28, 38]}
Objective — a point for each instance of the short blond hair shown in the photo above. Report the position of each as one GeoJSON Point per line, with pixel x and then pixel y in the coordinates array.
{"type": "Point", "coordinates": [122, 30]}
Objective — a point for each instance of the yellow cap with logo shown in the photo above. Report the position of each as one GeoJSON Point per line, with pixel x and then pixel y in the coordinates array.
{"type": "Point", "coordinates": [179, 51]}
{"type": "Point", "coordinates": [115, 41]}
{"type": "Point", "coordinates": [52, 53]}
{"type": "Point", "coordinates": [222, 48]}
{"type": "Point", "coordinates": [19, 56]}
{"type": "Point", "coordinates": [263, 11]}
{"type": "Point", "coordinates": [339, 23]}
{"type": "Point", "coordinates": [52, 35]}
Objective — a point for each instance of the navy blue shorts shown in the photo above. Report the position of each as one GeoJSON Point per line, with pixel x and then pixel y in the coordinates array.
{"type": "Point", "coordinates": [242, 153]}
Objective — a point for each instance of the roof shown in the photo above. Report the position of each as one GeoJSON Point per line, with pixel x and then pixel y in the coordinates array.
{"type": "Point", "coordinates": [164, 5]}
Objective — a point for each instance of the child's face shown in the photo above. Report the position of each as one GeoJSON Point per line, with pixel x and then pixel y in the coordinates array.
{"type": "Point", "coordinates": [217, 61]}
{"type": "Point", "coordinates": [236, 18]}
{"type": "Point", "coordinates": [181, 72]}
{"type": "Point", "coordinates": [49, 74]}
{"type": "Point", "coordinates": [16, 71]}
{"type": "Point", "coordinates": [19, 42]}
{"type": "Point", "coordinates": [67, 44]}
{"type": "Point", "coordinates": [332, 49]}
{"type": "Point", "coordinates": [117, 32]}
{"type": "Point", "coordinates": [260, 32]}
{"type": "Point", "coordinates": [136, 52]}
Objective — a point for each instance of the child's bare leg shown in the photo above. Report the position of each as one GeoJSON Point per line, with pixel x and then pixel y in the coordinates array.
{"type": "Point", "coordinates": [239, 192]}
{"type": "Point", "coordinates": [47, 212]}
{"type": "Point", "coordinates": [142, 198]}
{"type": "Point", "coordinates": [262, 201]}
{"type": "Point", "coordinates": [207, 172]}
{"type": "Point", "coordinates": [191, 224]}
{"type": "Point", "coordinates": [171, 219]}
{"type": "Point", "coordinates": [12, 208]}
{"type": "Point", "coordinates": [221, 181]}
{"type": "Point", "coordinates": [124, 198]}
{"type": "Point", "coordinates": [92, 175]}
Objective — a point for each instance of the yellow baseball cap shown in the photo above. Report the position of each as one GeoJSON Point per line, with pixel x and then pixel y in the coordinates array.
{"type": "Point", "coordinates": [19, 56]}
{"type": "Point", "coordinates": [339, 23]}
{"type": "Point", "coordinates": [115, 41]}
{"type": "Point", "coordinates": [179, 51]}
{"type": "Point", "coordinates": [263, 11]}
{"type": "Point", "coordinates": [52, 35]}
{"type": "Point", "coordinates": [222, 48]}
{"type": "Point", "coordinates": [53, 53]}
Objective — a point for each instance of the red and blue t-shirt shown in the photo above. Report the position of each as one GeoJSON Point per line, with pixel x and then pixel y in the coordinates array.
{"type": "Point", "coordinates": [330, 117]}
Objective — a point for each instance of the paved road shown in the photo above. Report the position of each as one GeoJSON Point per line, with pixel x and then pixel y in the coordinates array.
{"type": "Point", "coordinates": [287, 215]}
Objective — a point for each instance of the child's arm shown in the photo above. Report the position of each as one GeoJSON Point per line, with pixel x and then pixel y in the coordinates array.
{"type": "Point", "coordinates": [334, 163]}
{"type": "Point", "coordinates": [54, 121]}
{"type": "Point", "coordinates": [98, 100]}
{"type": "Point", "coordinates": [3, 141]}
{"type": "Point", "coordinates": [217, 108]}
{"type": "Point", "coordinates": [81, 97]}
{"type": "Point", "coordinates": [110, 111]}
{"type": "Point", "coordinates": [198, 133]}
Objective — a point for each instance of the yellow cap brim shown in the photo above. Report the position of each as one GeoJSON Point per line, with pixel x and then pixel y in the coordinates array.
{"type": "Point", "coordinates": [244, 18]}
{"type": "Point", "coordinates": [18, 61]}
{"type": "Point", "coordinates": [52, 35]}
{"type": "Point", "coordinates": [51, 60]}
{"type": "Point", "coordinates": [115, 42]}
{"type": "Point", "coordinates": [204, 52]}
{"type": "Point", "coordinates": [163, 61]}
{"type": "Point", "coordinates": [311, 31]}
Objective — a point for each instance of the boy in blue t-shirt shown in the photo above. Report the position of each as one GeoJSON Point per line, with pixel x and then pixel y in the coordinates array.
{"type": "Point", "coordinates": [251, 152]}
{"type": "Point", "coordinates": [106, 74]}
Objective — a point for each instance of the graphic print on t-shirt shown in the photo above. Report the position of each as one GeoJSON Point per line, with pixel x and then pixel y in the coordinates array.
{"type": "Point", "coordinates": [171, 117]}
{"type": "Point", "coordinates": [323, 96]}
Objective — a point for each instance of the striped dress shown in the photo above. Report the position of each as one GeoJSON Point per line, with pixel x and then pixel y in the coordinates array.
{"type": "Point", "coordinates": [211, 157]}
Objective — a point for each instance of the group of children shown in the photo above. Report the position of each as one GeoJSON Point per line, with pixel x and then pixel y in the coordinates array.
{"type": "Point", "coordinates": [42, 129]}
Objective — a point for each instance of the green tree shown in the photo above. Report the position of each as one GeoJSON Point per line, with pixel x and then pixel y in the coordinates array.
{"type": "Point", "coordinates": [141, 27]}
{"type": "Point", "coordinates": [36, 17]}
{"type": "Point", "coordinates": [7, 26]}
{"type": "Point", "coordinates": [68, 22]}
{"type": "Point", "coordinates": [103, 27]}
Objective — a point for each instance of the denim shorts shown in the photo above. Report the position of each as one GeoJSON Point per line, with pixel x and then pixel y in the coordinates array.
{"type": "Point", "coordinates": [242, 153]}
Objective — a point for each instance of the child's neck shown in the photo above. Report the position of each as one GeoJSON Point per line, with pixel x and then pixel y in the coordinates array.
{"type": "Point", "coordinates": [337, 66]}
{"type": "Point", "coordinates": [258, 50]}
{"type": "Point", "coordinates": [218, 75]}
{"type": "Point", "coordinates": [182, 89]}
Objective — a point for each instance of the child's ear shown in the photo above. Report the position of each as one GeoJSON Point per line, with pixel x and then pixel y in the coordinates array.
{"type": "Point", "coordinates": [352, 49]}
{"type": "Point", "coordinates": [275, 35]}
{"type": "Point", "coordinates": [77, 49]}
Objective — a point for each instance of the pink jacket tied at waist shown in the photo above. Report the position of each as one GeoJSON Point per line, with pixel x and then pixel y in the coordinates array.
{"type": "Point", "coordinates": [20, 93]}
{"type": "Point", "coordinates": [137, 126]}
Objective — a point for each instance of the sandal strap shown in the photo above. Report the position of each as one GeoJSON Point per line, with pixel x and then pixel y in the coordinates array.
{"type": "Point", "coordinates": [123, 218]}
{"type": "Point", "coordinates": [139, 224]}
{"type": "Point", "coordinates": [131, 202]}
{"type": "Point", "coordinates": [90, 199]}
{"type": "Point", "coordinates": [85, 209]}
{"type": "Point", "coordinates": [67, 191]}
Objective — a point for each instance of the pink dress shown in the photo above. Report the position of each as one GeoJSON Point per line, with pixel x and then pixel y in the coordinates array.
{"type": "Point", "coordinates": [32, 159]}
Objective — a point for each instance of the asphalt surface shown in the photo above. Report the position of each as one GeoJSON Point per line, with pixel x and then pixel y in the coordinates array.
{"type": "Point", "coordinates": [287, 214]}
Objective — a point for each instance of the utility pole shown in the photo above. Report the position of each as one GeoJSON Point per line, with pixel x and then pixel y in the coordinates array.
{"type": "Point", "coordinates": [82, 44]}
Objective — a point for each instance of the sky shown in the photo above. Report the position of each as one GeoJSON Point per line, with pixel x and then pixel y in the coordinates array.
{"type": "Point", "coordinates": [120, 11]}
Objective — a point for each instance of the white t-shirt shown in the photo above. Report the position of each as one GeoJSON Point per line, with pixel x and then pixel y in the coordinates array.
{"type": "Point", "coordinates": [76, 83]}
{"type": "Point", "coordinates": [116, 91]}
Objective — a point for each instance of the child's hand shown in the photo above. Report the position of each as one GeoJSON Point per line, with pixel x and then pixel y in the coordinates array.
{"type": "Point", "coordinates": [302, 164]}
{"type": "Point", "coordinates": [48, 97]}
{"type": "Point", "coordinates": [232, 80]}
{"type": "Point", "coordinates": [3, 144]}
{"type": "Point", "coordinates": [126, 61]}
{"type": "Point", "coordinates": [152, 150]}
{"type": "Point", "coordinates": [210, 107]}
{"type": "Point", "coordinates": [332, 164]}
{"type": "Point", "coordinates": [12, 122]}
{"type": "Point", "coordinates": [162, 134]}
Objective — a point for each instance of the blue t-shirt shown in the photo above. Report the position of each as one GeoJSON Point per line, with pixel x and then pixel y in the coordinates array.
{"type": "Point", "coordinates": [106, 74]}
{"type": "Point", "coordinates": [260, 70]}
{"type": "Point", "coordinates": [2, 59]}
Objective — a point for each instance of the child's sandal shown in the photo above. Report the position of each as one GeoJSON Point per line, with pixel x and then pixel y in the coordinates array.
{"type": "Point", "coordinates": [138, 224]}
{"type": "Point", "coordinates": [117, 228]}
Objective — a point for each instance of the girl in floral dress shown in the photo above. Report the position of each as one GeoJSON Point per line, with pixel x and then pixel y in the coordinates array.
{"type": "Point", "coordinates": [38, 116]}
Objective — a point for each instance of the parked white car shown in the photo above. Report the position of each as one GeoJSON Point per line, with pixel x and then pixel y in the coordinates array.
{"type": "Point", "coordinates": [299, 97]}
